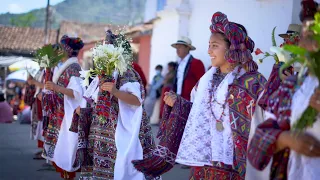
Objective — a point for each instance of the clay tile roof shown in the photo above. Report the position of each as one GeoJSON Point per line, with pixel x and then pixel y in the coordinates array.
{"type": "Point", "coordinates": [88, 32]}
{"type": "Point", "coordinates": [139, 30]}
{"type": "Point", "coordinates": [23, 40]}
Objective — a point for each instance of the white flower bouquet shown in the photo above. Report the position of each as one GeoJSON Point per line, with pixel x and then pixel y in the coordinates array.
{"type": "Point", "coordinates": [108, 58]}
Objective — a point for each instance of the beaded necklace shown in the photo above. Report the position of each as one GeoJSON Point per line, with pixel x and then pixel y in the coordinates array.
{"type": "Point", "coordinates": [217, 78]}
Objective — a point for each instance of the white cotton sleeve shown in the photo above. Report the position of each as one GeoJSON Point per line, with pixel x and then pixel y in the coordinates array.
{"type": "Point", "coordinates": [127, 135]}
{"type": "Point", "coordinates": [134, 89]}
{"type": "Point", "coordinates": [67, 144]}
{"type": "Point", "coordinates": [75, 86]}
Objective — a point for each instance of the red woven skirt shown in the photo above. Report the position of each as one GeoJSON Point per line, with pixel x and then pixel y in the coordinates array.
{"type": "Point", "coordinates": [65, 174]}
{"type": "Point", "coordinates": [40, 144]}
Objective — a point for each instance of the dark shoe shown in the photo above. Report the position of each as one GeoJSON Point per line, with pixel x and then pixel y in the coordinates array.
{"type": "Point", "coordinates": [37, 157]}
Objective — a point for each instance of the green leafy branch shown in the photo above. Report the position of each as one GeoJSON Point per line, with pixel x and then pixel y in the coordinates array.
{"type": "Point", "coordinates": [48, 56]}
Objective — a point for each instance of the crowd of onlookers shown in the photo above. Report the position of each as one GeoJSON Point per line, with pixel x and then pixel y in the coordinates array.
{"type": "Point", "coordinates": [12, 106]}
{"type": "Point", "coordinates": [159, 85]}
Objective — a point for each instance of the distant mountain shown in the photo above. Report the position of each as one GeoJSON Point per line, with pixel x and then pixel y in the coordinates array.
{"type": "Point", "coordinates": [86, 11]}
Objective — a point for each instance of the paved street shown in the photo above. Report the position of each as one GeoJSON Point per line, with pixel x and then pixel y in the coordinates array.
{"type": "Point", "coordinates": [16, 152]}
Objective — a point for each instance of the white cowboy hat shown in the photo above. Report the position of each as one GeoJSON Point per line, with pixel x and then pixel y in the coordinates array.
{"type": "Point", "coordinates": [293, 28]}
{"type": "Point", "coordinates": [185, 41]}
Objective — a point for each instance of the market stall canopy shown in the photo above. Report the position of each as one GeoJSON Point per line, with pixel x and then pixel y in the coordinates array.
{"type": "Point", "coordinates": [6, 61]}
{"type": "Point", "coordinates": [18, 76]}
{"type": "Point", "coordinates": [31, 66]}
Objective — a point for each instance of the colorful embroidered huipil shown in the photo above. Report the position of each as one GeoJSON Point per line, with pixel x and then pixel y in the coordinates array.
{"type": "Point", "coordinates": [99, 152]}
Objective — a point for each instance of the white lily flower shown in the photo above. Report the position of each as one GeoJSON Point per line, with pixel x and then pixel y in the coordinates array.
{"type": "Point", "coordinates": [107, 55]}
{"type": "Point", "coordinates": [297, 67]}
{"type": "Point", "coordinates": [283, 55]}
{"type": "Point", "coordinates": [84, 82]}
{"type": "Point", "coordinates": [44, 62]}
{"type": "Point", "coordinates": [43, 65]}
{"type": "Point", "coordinates": [85, 74]}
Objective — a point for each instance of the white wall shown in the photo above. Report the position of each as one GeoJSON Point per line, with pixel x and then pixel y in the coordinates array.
{"type": "Point", "coordinates": [295, 11]}
{"type": "Point", "coordinates": [150, 11]}
{"type": "Point", "coordinates": [258, 16]}
{"type": "Point", "coordinates": [165, 32]}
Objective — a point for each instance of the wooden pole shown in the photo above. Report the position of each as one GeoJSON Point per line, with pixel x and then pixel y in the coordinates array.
{"type": "Point", "coordinates": [46, 39]}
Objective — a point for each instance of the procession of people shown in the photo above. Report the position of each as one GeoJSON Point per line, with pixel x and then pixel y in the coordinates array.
{"type": "Point", "coordinates": [228, 122]}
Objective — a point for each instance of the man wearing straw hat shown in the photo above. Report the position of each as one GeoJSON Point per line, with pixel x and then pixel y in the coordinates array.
{"type": "Point", "coordinates": [292, 29]}
{"type": "Point", "coordinates": [190, 69]}
{"type": "Point", "coordinates": [292, 36]}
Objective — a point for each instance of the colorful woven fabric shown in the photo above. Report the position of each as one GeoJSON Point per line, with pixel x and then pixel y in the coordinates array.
{"type": "Point", "coordinates": [214, 173]}
{"type": "Point", "coordinates": [104, 100]}
{"type": "Point", "coordinates": [309, 8]}
{"type": "Point", "coordinates": [47, 101]}
{"type": "Point", "coordinates": [241, 45]}
{"type": "Point", "coordinates": [71, 45]}
{"type": "Point", "coordinates": [64, 174]}
{"type": "Point", "coordinates": [170, 135]}
{"type": "Point", "coordinates": [81, 125]}
{"type": "Point", "coordinates": [263, 144]}
{"type": "Point", "coordinates": [35, 117]}
{"type": "Point", "coordinates": [36, 108]}
{"type": "Point", "coordinates": [29, 94]}
{"type": "Point", "coordinates": [30, 100]}
{"type": "Point", "coordinates": [101, 147]}
{"type": "Point", "coordinates": [55, 106]}
{"type": "Point", "coordinates": [242, 102]}
{"type": "Point", "coordinates": [273, 84]}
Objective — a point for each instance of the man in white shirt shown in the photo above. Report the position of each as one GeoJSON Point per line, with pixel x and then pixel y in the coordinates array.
{"type": "Point", "coordinates": [190, 69]}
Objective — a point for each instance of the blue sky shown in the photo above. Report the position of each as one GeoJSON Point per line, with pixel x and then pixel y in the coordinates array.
{"type": "Point", "coordinates": [22, 6]}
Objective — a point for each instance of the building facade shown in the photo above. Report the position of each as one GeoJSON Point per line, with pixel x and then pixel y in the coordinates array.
{"type": "Point", "coordinates": [192, 18]}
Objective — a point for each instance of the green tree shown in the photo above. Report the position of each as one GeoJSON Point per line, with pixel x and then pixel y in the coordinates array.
{"type": "Point", "coordinates": [25, 20]}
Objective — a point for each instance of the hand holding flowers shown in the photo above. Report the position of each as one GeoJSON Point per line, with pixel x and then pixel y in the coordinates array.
{"type": "Point", "coordinates": [110, 87]}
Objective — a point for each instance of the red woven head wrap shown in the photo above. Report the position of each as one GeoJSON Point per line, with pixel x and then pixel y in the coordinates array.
{"type": "Point", "coordinates": [309, 8]}
{"type": "Point", "coordinates": [241, 44]}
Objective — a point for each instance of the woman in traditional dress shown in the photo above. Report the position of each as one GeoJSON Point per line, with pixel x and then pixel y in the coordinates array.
{"type": "Point", "coordinates": [295, 155]}
{"type": "Point", "coordinates": [33, 88]}
{"type": "Point", "coordinates": [216, 125]}
{"type": "Point", "coordinates": [33, 98]}
{"type": "Point", "coordinates": [66, 93]}
{"type": "Point", "coordinates": [120, 130]}
{"type": "Point", "coordinates": [273, 138]}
